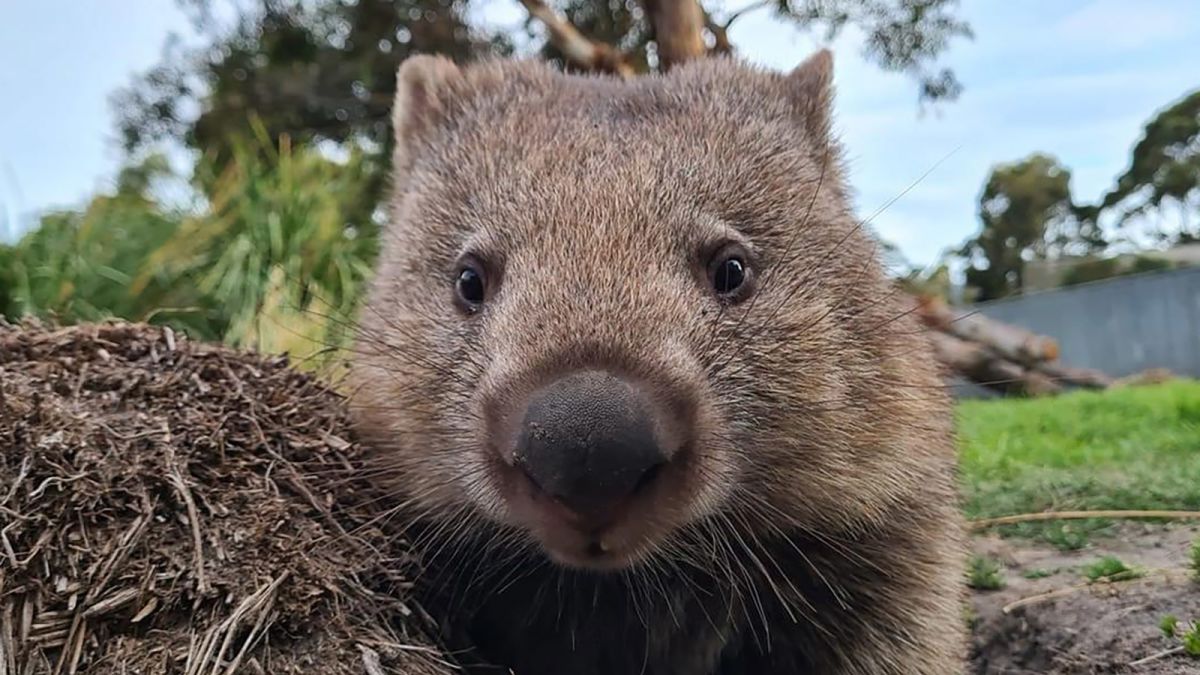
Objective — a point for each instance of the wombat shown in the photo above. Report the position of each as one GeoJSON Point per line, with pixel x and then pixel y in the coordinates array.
{"type": "Point", "coordinates": [639, 388]}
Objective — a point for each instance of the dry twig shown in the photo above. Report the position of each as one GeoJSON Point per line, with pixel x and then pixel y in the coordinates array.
{"type": "Point", "coordinates": [985, 523]}
{"type": "Point", "coordinates": [1156, 656]}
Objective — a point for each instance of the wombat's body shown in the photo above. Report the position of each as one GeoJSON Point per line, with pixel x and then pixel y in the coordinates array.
{"type": "Point", "coordinates": [633, 371]}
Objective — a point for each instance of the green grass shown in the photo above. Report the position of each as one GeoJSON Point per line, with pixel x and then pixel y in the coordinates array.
{"type": "Point", "coordinates": [985, 574]}
{"type": "Point", "coordinates": [1191, 640]}
{"type": "Point", "coordinates": [274, 254]}
{"type": "Point", "coordinates": [1188, 634]}
{"type": "Point", "coordinates": [1195, 561]}
{"type": "Point", "coordinates": [1128, 448]}
{"type": "Point", "coordinates": [1109, 568]}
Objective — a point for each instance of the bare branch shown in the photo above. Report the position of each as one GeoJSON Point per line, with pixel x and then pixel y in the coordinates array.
{"type": "Point", "coordinates": [752, 7]}
{"type": "Point", "coordinates": [720, 29]}
{"type": "Point", "coordinates": [1080, 515]}
{"type": "Point", "coordinates": [720, 34]}
{"type": "Point", "coordinates": [575, 46]}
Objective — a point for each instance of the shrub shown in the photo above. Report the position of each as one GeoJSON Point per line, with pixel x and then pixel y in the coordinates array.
{"type": "Point", "coordinates": [283, 249]}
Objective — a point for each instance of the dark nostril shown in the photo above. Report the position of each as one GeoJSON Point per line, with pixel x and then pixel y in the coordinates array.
{"type": "Point", "coordinates": [648, 477]}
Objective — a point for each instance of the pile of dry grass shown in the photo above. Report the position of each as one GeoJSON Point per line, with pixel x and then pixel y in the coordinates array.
{"type": "Point", "coordinates": [173, 507]}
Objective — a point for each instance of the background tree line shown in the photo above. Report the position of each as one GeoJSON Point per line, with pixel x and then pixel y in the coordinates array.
{"type": "Point", "coordinates": [284, 109]}
{"type": "Point", "coordinates": [1027, 211]}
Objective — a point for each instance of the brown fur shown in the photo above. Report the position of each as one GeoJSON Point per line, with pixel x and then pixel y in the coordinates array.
{"type": "Point", "coordinates": [812, 525]}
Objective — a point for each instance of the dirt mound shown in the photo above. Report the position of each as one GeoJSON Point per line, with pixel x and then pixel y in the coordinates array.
{"type": "Point", "coordinates": [159, 514]}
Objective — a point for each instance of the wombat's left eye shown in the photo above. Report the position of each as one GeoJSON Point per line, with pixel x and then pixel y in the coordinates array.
{"type": "Point", "coordinates": [729, 273]}
{"type": "Point", "coordinates": [729, 276]}
{"type": "Point", "coordinates": [469, 287]}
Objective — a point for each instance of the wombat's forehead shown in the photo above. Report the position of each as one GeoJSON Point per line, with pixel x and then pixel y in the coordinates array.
{"type": "Point", "coordinates": [590, 161]}
{"type": "Point", "coordinates": [627, 172]}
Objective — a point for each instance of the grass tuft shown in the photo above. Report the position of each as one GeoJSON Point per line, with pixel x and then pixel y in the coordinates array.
{"type": "Point", "coordinates": [1195, 562]}
{"type": "Point", "coordinates": [1191, 640]}
{"type": "Point", "coordinates": [1110, 568]}
{"type": "Point", "coordinates": [1188, 635]}
{"type": "Point", "coordinates": [985, 574]}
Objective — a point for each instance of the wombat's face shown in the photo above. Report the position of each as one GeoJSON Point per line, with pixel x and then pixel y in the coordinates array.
{"type": "Point", "coordinates": [616, 318]}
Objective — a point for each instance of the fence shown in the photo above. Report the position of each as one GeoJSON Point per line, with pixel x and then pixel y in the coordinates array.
{"type": "Point", "coordinates": [1119, 326]}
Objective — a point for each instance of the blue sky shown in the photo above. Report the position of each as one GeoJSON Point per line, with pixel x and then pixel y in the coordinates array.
{"type": "Point", "coordinates": [1071, 77]}
{"type": "Point", "coordinates": [59, 62]}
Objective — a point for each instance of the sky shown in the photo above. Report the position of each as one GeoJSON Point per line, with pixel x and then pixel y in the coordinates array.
{"type": "Point", "coordinates": [1073, 78]}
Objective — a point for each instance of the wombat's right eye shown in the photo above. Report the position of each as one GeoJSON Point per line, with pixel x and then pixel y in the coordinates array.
{"type": "Point", "coordinates": [469, 287]}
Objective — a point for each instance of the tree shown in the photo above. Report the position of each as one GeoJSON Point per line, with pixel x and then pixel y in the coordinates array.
{"type": "Point", "coordinates": [8, 279]}
{"type": "Point", "coordinates": [901, 36]}
{"type": "Point", "coordinates": [1164, 170]}
{"type": "Point", "coordinates": [1092, 270]}
{"type": "Point", "coordinates": [1026, 212]}
{"type": "Point", "coordinates": [1107, 268]}
{"type": "Point", "coordinates": [325, 69]}
{"type": "Point", "coordinates": [310, 70]}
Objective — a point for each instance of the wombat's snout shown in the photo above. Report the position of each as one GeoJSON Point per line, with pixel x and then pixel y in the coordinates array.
{"type": "Point", "coordinates": [589, 440]}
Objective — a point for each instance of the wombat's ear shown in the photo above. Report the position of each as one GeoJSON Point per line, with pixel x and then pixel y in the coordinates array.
{"type": "Point", "coordinates": [810, 85]}
{"type": "Point", "coordinates": [424, 84]}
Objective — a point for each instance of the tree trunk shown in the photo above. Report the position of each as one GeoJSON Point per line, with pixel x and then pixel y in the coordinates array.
{"type": "Point", "coordinates": [1008, 341]}
{"type": "Point", "coordinates": [1086, 378]}
{"type": "Point", "coordinates": [678, 30]}
{"type": "Point", "coordinates": [978, 364]}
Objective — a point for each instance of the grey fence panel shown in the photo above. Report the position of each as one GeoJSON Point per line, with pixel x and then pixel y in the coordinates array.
{"type": "Point", "coordinates": [1120, 326]}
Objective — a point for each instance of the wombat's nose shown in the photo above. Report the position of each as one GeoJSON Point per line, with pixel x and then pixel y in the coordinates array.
{"type": "Point", "coordinates": [588, 440]}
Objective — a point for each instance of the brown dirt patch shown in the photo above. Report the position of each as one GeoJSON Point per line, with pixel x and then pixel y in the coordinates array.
{"type": "Point", "coordinates": [1096, 628]}
{"type": "Point", "coordinates": [158, 515]}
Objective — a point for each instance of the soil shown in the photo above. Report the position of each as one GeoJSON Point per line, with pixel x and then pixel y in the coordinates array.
{"type": "Point", "coordinates": [1070, 627]}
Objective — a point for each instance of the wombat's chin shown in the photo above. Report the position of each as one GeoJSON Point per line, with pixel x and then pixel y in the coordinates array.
{"type": "Point", "coordinates": [584, 558]}
{"type": "Point", "coordinates": [598, 553]}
